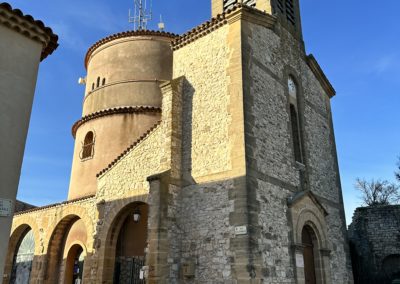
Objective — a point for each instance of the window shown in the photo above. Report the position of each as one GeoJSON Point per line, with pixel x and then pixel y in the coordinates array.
{"type": "Point", "coordinates": [228, 4]}
{"type": "Point", "coordinates": [294, 121]}
{"type": "Point", "coordinates": [92, 86]}
{"type": "Point", "coordinates": [98, 82]}
{"type": "Point", "coordinates": [88, 146]}
{"type": "Point", "coordinates": [104, 82]}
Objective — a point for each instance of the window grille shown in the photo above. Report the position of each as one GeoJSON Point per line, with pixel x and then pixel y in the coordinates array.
{"type": "Point", "coordinates": [290, 15]}
{"type": "Point", "coordinates": [228, 4]}
{"type": "Point", "coordinates": [88, 146]}
{"type": "Point", "coordinates": [279, 4]}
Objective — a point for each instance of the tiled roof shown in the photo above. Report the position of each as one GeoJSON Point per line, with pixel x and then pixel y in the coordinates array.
{"type": "Point", "coordinates": [55, 205]}
{"type": "Point", "coordinates": [215, 23]}
{"type": "Point", "coordinates": [123, 35]}
{"type": "Point", "coordinates": [111, 111]}
{"type": "Point", "coordinates": [19, 20]}
{"type": "Point", "coordinates": [123, 154]}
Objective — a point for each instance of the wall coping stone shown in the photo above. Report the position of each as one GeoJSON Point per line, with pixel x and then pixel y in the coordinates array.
{"type": "Point", "coordinates": [29, 27]}
{"type": "Point", "coordinates": [112, 111]}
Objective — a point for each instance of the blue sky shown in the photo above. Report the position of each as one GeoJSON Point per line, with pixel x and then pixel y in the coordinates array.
{"type": "Point", "coordinates": [356, 42]}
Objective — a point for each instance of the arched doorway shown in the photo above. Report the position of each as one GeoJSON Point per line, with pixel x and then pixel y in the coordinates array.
{"type": "Point", "coordinates": [22, 264]}
{"type": "Point", "coordinates": [69, 231]}
{"type": "Point", "coordinates": [309, 244]}
{"type": "Point", "coordinates": [125, 245]}
{"type": "Point", "coordinates": [74, 265]}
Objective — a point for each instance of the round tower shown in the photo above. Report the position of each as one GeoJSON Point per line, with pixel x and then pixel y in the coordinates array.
{"type": "Point", "coordinates": [122, 101]}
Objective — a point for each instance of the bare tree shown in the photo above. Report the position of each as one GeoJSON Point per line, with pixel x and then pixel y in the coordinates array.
{"type": "Point", "coordinates": [397, 173]}
{"type": "Point", "coordinates": [380, 192]}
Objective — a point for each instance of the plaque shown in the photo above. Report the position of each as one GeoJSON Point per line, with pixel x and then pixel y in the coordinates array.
{"type": "Point", "coordinates": [5, 207]}
{"type": "Point", "coordinates": [241, 230]}
{"type": "Point", "coordinates": [299, 260]}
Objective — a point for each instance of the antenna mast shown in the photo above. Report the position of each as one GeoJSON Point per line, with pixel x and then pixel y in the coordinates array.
{"type": "Point", "coordinates": [142, 14]}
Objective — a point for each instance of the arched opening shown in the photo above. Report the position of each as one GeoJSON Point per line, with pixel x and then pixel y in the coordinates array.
{"type": "Point", "coordinates": [295, 120]}
{"type": "Point", "coordinates": [103, 82]}
{"type": "Point", "coordinates": [63, 234]}
{"type": "Point", "coordinates": [74, 265]}
{"type": "Point", "coordinates": [88, 146]}
{"type": "Point", "coordinates": [126, 244]}
{"type": "Point", "coordinates": [23, 259]}
{"type": "Point", "coordinates": [309, 245]}
{"type": "Point", "coordinates": [98, 82]}
{"type": "Point", "coordinates": [391, 268]}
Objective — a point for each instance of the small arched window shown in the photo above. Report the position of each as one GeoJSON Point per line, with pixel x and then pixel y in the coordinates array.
{"type": "Point", "coordinates": [294, 120]}
{"type": "Point", "coordinates": [104, 82]}
{"type": "Point", "coordinates": [92, 86]}
{"type": "Point", "coordinates": [88, 146]}
{"type": "Point", "coordinates": [98, 82]}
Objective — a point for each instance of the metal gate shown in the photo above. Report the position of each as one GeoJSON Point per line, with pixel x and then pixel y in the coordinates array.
{"type": "Point", "coordinates": [127, 270]}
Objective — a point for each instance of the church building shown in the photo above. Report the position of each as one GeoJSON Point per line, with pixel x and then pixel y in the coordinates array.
{"type": "Point", "coordinates": [206, 157]}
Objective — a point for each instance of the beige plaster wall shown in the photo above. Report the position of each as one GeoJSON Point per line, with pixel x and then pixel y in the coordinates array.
{"type": "Point", "coordinates": [19, 62]}
{"type": "Point", "coordinates": [133, 68]}
{"type": "Point", "coordinates": [113, 134]}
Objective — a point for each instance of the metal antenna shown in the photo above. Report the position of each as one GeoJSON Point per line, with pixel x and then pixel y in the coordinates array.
{"type": "Point", "coordinates": [142, 14]}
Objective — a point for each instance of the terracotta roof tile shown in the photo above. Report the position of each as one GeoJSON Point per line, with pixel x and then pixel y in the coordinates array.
{"type": "Point", "coordinates": [52, 43]}
{"type": "Point", "coordinates": [133, 145]}
{"type": "Point", "coordinates": [111, 111]}
{"type": "Point", "coordinates": [125, 34]}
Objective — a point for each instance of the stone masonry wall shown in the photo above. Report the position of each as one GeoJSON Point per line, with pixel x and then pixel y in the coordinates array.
{"type": "Point", "coordinates": [51, 223]}
{"type": "Point", "coordinates": [374, 236]}
{"type": "Point", "coordinates": [271, 56]}
{"type": "Point", "coordinates": [209, 160]}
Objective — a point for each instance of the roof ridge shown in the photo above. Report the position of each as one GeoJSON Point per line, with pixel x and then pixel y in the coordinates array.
{"type": "Point", "coordinates": [55, 205]}
{"type": "Point", "coordinates": [122, 35]}
{"type": "Point", "coordinates": [52, 42]}
{"type": "Point", "coordinates": [131, 147]}
{"type": "Point", "coordinates": [208, 26]}
{"type": "Point", "coordinates": [110, 111]}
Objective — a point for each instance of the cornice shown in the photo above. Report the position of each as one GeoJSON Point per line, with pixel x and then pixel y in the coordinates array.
{"type": "Point", "coordinates": [29, 27]}
{"type": "Point", "coordinates": [320, 75]}
{"type": "Point", "coordinates": [113, 111]}
{"type": "Point", "coordinates": [124, 35]}
{"type": "Point", "coordinates": [133, 145]}
{"type": "Point", "coordinates": [236, 13]}
{"type": "Point", "coordinates": [55, 205]}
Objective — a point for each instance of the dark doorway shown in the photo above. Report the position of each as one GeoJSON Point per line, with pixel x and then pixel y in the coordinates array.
{"type": "Point", "coordinates": [308, 254]}
{"type": "Point", "coordinates": [74, 265]}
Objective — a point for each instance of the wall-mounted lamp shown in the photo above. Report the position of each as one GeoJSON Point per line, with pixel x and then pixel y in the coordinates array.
{"type": "Point", "coordinates": [136, 215]}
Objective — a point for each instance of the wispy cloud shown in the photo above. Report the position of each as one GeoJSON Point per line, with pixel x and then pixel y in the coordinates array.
{"type": "Point", "coordinates": [385, 63]}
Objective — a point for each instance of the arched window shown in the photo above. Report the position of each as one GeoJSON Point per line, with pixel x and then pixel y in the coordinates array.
{"type": "Point", "coordinates": [294, 121]}
{"type": "Point", "coordinates": [98, 82]}
{"type": "Point", "coordinates": [92, 86]}
{"type": "Point", "coordinates": [88, 146]}
{"type": "Point", "coordinates": [104, 82]}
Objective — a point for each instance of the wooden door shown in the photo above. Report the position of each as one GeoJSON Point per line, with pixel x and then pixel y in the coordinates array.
{"type": "Point", "coordinates": [308, 254]}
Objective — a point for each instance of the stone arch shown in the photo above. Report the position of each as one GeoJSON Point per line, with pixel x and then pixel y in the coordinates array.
{"type": "Point", "coordinates": [57, 237]}
{"type": "Point", "coordinates": [73, 251]}
{"type": "Point", "coordinates": [20, 227]}
{"type": "Point", "coordinates": [309, 218]}
{"type": "Point", "coordinates": [81, 213]}
{"type": "Point", "coordinates": [108, 235]}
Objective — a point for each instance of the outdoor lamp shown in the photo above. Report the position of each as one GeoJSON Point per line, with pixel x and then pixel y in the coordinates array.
{"type": "Point", "coordinates": [136, 215]}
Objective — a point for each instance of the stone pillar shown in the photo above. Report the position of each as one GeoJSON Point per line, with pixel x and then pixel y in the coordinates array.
{"type": "Point", "coordinates": [24, 43]}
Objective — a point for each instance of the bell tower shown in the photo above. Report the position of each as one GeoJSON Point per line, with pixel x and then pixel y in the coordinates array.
{"type": "Point", "coordinates": [287, 11]}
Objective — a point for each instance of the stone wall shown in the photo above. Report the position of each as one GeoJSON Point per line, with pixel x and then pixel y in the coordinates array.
{"type": "Point", "coordinates": [50, 226]}
{"type": "Point", "coordinates": [270, 57]}
{"type": "Point", "coordinates": [374, 236]}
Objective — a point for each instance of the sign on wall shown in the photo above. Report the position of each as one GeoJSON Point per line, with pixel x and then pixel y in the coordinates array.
{"type": "Point", "coordinates": [5, 207]}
